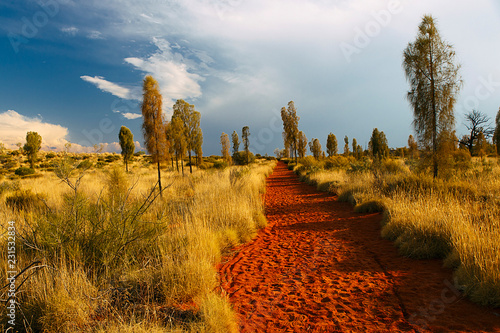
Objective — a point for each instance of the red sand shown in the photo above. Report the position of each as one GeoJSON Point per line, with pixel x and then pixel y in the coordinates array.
{"type": "Point", "coordinates": [320, 267]}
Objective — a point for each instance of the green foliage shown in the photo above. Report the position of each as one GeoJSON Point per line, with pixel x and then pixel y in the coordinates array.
{"type": "Point", "coordinates": [331, 145]}
{"type": "Point", "coordinates": [240, 158]}
{"type": "Point", "coordinates": [378, 145]}
{"type": "Point", "coordinates": [50, 155]}
{"type": "Point", "coordinates": [32, 146]}
{"type": "Point", "coordinates": [24, 171]}
{"type": "Point", "coordinates": [434, 80]}
{"type": "Point", "coordinates": [245, 133]}
{"type": "Point", "coordinates": [127, 144]}
{"type": "Point", "coordinates": [220, 165]}
{"type": "Point", "coordinates": [86, 164]}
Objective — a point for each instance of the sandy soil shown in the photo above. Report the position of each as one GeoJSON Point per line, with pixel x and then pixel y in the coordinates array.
{"type": "Point", "coordinates": [320, 267]}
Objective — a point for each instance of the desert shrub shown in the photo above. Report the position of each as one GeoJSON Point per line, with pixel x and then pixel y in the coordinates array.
{"type": "Point", "coordinates": [205, 165]}
{"type": "Point", "coordinates": [112, 158]}
{"type": "Point", "coordinates": [462, 159]}
{"type": "Point", "coordinates": [220, 165]}
{"type": "Point", "coordinates": [24, 171]}
{"type": "Point", "coordinates": [25, 200]}
{"type": "Point", "coordinates": [394, 166]}
{"type": "Point", "coordinates": [50, 155]}
{"type": "Point", "coordinates": [371, 206]}
{"type": "Point", "coordinates": [85, 164]}
{"type": "Point", "coordinates": [7, 186]}
{"type": "Point", "coordinates": [240, 158]}
{"type": "Point", "coordinates": [338, 162]}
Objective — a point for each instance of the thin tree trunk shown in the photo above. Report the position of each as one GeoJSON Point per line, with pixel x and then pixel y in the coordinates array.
{"type": "Point", "coordinates": [190, 164]}
{"type": "Point", "coordinates": [159, 175]}
{"type": "Point", "coordinates": [182, 166]}
{"type": "Point", "coordinates": [177, 162]}
{"type": "Point", "coordinates": [434, 117]}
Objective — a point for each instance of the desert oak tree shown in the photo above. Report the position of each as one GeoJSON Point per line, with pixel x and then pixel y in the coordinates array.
{"type": "Point", "coordinates": [434, 79]}
{"type": "Point", "coordinates": [225, 147]}
{"type": "Point", "coordinates": [331, 145]}
{"type": "Point", "coordinates": [153, 127]}
{"type": "Point", "coordinates": [245, 133]}
{"type": "Point", "coordinates": [127, 144]}
{"type": "Point", "coordinates": [32, 146]}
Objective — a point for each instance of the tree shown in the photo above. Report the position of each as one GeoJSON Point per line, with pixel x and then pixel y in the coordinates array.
{"type": "Point", "coordinates": [198, 150]}
{"type": "Point", "coordinates": [245, 133]}
{"type": "Point", "coordinates": [302, 144]}
{"type": "Point", "coordinates": [412, 146]}
{"type": "Point", "coordinates": [480, 145]}
{"type": "Point", "coordinates": [178, 140]}
{"type": "Point", "coordinates": [286, 144]}
{"type": "Point", "coordinates": [476, 122]}
{"type": "Point", "coordinates": [331, 145]}
{"type": "Point", "coordinates": [236, 142]}
{"type": "Point", "coordinates": [225, 146]}
{"type": "Point", "coordinates": [315, 147]}
{"type": "Point", "coordinates": [434, 79]}
{"type": "Point", "coordinates": [153, 127]}
{"type": "Point", "coordinates": [291, 127]}
{"type": "Point", "coordinates": [127, 144]}
{"type": "Point", "coordinates": [32, 146]}
{"type": "Point", "coordinates": [496, 135]}
{"type": "Point", "coordinates": [191, 126]}
{"type": "Point", "coordinates": [346, 146]}
{"type": "Point", "coordinates": [378, 145]}
{"type": "Point", "coordinates": [355, 148]}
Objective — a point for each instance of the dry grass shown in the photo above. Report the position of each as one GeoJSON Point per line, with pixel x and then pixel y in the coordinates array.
{"type": "Point", "coordinates": [456, 218]}
{"type": "Point", "coordinates": [111, 259]}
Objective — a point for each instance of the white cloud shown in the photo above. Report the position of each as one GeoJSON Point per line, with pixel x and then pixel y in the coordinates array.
{"type": "Point", "coordinates": [172, 71]}
{"type": "Point", "coordinates": [109, 87]}
{"type": "Point", "coordinates": [72, 31]}
{"type": "Point", "coordinates": [130, 115]}
{"type": "Point", "coordinates": [14, 126]}
{"type": "Point", "coordinates": [94, 34]}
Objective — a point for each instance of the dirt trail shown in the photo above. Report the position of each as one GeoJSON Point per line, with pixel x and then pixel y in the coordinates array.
{"type": "Point", "coordinates": [320, 267]}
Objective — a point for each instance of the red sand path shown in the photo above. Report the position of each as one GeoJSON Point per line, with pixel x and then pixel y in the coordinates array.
{"type": "Point", "coordinates": [320, 267]}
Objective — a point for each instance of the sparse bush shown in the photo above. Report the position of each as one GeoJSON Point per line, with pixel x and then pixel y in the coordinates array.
{"type": "Point", "coordinates": [220, 165]}
{"type": "Point", "coordinates": [240, 158]}
{"type": "Point", "coordinates": [24, 171]}
{"type": "Point", "coordinates": [25, 200]}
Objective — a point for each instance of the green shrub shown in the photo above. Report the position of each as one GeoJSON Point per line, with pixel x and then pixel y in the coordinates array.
{"type": "Point", "coordinates": [24, 171]}
{"type": "Point", "coordinates": [86, 164]}
{"type": "Point", "coordinates": [205, 165]}
{"type": "Point", "coordinates": [240, 158]}
{"type": "Point", "coordinates": [220, 165]}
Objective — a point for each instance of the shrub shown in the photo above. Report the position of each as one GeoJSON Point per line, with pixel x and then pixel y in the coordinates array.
{"type": "Point", "coordinates": [86, 164]}
{"type": "Point", "coordinates": [25, 200]}
{"type": "Point", "coordinates": [240, 158]}
{"type": "Point", "coordinates": [220, 165]}
{"type": "Point", "coordinates": [23, 171]}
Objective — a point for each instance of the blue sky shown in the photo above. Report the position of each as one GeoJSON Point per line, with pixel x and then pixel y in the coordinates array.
{"type": "Point", "coordinates": [72, 70]}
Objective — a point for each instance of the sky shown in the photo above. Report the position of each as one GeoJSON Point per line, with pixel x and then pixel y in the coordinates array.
{"type": "Point", "coordinates": [72, 70]}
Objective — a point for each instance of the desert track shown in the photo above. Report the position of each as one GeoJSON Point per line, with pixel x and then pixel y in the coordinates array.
{"type": "Point", "coordinates": [320, 267]}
